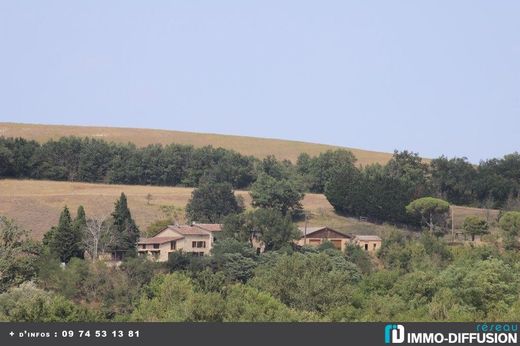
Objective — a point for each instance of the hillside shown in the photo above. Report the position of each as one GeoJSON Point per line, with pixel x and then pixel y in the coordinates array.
{"type": "Point", "coordinates": [258, 147]}
{"type": "Point", "coordinates": [35, 204]}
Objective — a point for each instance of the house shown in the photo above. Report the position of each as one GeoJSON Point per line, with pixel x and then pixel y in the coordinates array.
{"type": "Point", "coordinates": [196, 239]}
{"type": "Point", "coordinates": [317, 235]}
{"type": "Point", "coordinates": [370, 243]}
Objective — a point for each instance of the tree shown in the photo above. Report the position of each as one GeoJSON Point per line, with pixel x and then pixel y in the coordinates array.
{"type": "Point", "coordinates": [18, 255]}
{"type": "Point", "coordinates": [475, 225]}
{"type": "Point", "coordinates": [319, 170]}
{"type": "Point", "coordinates": [173, 298]}
{"type": "Point", "coordinates": [374, 191]}
{"type": "Point", "coordinates": [211, 202]}
{"type": "Point", "coordinates": [283, 195]}
{"type": "Point", "coordinates": [510, 225]}
{"type": "Point", "coordinates": [6, 161]}
{"type": "Point", "coordinates": [78, 227]}
{"type": "Point", "coordinates": [345, 191]}
{"type": "Point", "coordinates": [311, 282]}
{"type": "Point", "coordinates": [454, 179]}
{"type": "Point", "coordinates": [248, 304]}
{"type": "Point", "coordinates": [269, 226]}
{"type": "Point", "coordinates": [430, 209]}
{"type": "Point", "coordinates": [63, 240]}
{"type": "Point", "coordinates": [125, 230]}
{"type": "Point", "coordinates": [98, 236]}
{"type": "Point", "coordinates": [274, 229]}
{"type": "Point", "coordinates": [409, 168]}
{"type": "Point", "coordinates": [359, 257]}
{"type": "Point", "coordinates": [237, 267]}
{"type": "Point", "coordinates": [28, 303]}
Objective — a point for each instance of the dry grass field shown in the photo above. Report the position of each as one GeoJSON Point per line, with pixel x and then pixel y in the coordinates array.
{"type": "Point", "coordinates": [258, 147]}
{"type": "Point", "coordinates": [35, 204]}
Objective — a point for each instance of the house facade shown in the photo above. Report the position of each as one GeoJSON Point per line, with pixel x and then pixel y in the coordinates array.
{"type": "Point", "coordinates": [315, 236]}
{"type": "Point", "coordinates": [370, 243]}
{"type": "Point", "coordinates": [195, 239]}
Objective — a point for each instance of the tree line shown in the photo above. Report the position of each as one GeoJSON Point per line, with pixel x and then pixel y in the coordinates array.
{"type": "Point", "coordinates": [94, 160]}
{"type": "Point", "coordinates": [377, 191]}
{"type": "Point", "coordinates": [382, 192]}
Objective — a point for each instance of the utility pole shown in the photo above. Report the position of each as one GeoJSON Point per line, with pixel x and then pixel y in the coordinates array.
{"type": "Point", "coordinates": [305, 229]}
{"type": "Point", "coordinates": [452, 224]}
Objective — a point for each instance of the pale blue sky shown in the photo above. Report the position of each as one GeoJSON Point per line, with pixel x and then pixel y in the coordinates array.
{"type": "Point", "coordinates": [437, 77]}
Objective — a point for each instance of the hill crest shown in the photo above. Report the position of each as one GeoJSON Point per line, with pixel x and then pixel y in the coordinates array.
{"type": "Point", "coordinates": [254, 146]}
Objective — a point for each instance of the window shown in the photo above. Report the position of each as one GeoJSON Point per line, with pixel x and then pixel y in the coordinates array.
{"type": "Point", "coordinates": [374, 246]}
{"type": "Point", "coordinates": [197, 254]}
{"type": "Point", "coordinates": [198, 244]}
{"type": "Point", "coordinates": [366, 247]}
{"type": "Point", "coordinates": [173, 245]}
{"type": "Point", "coordinates": [143, 246]}
{"type": "Point", "coordinates": [155, 246]}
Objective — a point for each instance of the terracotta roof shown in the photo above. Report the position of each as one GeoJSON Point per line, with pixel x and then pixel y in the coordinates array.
{"type": "Point", "coordinates": [312, 230]}
{"type": "Point", "coordinates": [211, 227]}
{"type": "Point", "coordinates": [189, 230]}
{"type": "Point", "coordinates": [368, 237]}
{"type": "Point", "coordinates": [157, 240]}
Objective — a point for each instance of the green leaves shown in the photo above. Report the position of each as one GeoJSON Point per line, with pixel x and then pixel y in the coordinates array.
{"type": "Point", "coordinates": [18, 255]}
{"type": "Point", "coordinates": [475, 225]}
{"type": "Point", "coordinates": [211, 202]}
{"type": "Point", "coordinates": [125, 229]}
{"type": "Point", "coordinates": [268, 225]}
{"type": "Point", "coordinates": [283, 195]}
{"type": "Point", "coordinates": [510, 225]}
{"type": "Point", "coordinates": [432, 210]}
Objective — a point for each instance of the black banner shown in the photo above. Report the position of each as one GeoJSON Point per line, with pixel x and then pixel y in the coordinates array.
{"type": "Point", "coordinates": [249, 334]}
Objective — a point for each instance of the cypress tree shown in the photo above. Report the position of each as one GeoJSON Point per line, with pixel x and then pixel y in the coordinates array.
{"type": "Point", "coordinates": [63, 240]}
{"type": "Point", "coordinates": [126, 231]}
{"type": "Point", "coordinates": [79, 225]}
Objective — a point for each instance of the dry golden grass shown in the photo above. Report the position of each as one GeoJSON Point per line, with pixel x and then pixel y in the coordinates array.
{"type": "Point", "coordinates": [258, 147]}
{"type": "Point", "coordinates": [460, 214]}
{"type": "Point", "coordinates": [36, 204]}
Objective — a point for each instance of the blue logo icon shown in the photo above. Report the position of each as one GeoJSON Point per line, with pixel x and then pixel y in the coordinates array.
{"type": "Point", "coordinates": [394, 334]}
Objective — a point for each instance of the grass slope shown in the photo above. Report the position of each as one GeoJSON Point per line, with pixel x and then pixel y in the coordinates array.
{"type": "Point", "coordinates": [35, 204]}
{"type": "Point", "coordinates": [258, 147]}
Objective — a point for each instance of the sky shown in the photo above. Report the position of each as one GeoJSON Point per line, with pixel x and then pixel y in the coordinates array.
{"type": "Point", "coordinates": [434, 77]}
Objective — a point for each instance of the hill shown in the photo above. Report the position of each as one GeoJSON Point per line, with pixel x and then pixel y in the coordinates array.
{"type": "Point", "coordinates": [258, 147]}
{"type": "Point", "coordinates": [35, 204]}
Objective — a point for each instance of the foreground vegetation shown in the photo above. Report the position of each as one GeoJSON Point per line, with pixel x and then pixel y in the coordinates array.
{"type": "Point", "coordinates": [414, 277]}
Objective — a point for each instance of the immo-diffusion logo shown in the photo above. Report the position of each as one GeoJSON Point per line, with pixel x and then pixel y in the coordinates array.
{"type": "Point", "coordinates": [499, 333]}
{"type": "Point", "coordinates": [394, 334]}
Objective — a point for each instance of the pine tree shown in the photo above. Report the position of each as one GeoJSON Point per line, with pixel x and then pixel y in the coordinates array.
{"type": "Point", "coordinates": [126, 231]}
{"type": "Point", "coordinates": [79, 226]}
{"type": "Point", "coordinates": [63, 241]}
